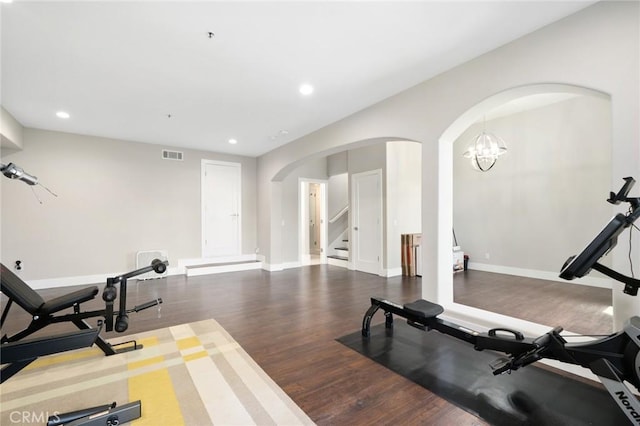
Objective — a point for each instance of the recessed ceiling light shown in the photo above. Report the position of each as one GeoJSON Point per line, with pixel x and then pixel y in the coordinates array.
{"type": "Point", "coordinates": [233, 141]}
{"type": "Point", "coordinates": [62, 114]}
{"type": "Point", "coordinates": [306, 89]}
{"type": "Point", "coordinates": [6, 1]}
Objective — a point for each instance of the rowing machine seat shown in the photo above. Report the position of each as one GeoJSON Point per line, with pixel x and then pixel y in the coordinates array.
{"type": "Point", "coordinates": [423, 308]}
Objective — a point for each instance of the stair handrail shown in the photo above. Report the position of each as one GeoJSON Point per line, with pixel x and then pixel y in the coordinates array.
{"type": "Point", "coordinates": [339, 214]}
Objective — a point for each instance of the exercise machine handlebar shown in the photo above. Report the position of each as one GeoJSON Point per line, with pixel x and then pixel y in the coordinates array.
{"type": "Point", "coordinates": [110, 294]}
{"type": "Point", "coordinates": [158, 266]}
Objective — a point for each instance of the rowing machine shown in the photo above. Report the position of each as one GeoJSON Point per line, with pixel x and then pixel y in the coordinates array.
{"type": "Point", "coordinates": [614, 358]}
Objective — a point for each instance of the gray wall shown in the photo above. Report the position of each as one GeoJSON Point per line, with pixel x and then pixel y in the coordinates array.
{"type": "Point", "coordinates": [404, 198]}
{"type": "Point", "coordinates": [337, 163]}
{"type": "Point", "coordinates": [338, 193]}
{"type": "Point", "coordinates": [400, 163]}
{"type": "Point", "coordinates": [544, 198]}
{"type": "Point", "coordinates": [114, 199]}
{"type": "Point", "coordinates": [596, 48]}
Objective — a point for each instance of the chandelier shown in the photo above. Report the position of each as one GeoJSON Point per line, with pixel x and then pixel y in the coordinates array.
{"type": "Point", "coordinates": [485, 150]}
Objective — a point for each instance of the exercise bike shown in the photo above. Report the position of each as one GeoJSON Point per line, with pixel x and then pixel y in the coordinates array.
{"type": "Point", "coordinates": [614, 358]}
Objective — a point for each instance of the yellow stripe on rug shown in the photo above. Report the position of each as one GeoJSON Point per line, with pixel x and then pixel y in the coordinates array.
{"type": "Point", "coordinates": [160, 404]}
{"type": "Point", "coordinates": [191, 374]}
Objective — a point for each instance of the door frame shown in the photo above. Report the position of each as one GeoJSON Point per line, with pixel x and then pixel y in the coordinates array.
{"type": "Point", "coordinates": [355, 246]}
{"type": "Point", "coordinates": [203, 164]}
{"type": "Point", "coordinates": [303, 219]}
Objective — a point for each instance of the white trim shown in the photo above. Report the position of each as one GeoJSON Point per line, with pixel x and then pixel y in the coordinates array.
{"type": "Point", "coordinates": [272, 267]}
{"type": "Point", "coordinates": [85, 280]}
{"type": "Point", "coordinates": [392, 272]}
{"type": "Point", "coordinates": [338, 262]}
{"type": "Point", "coordinates": [203, 164]}
{"type": "Point", "coordinates": [218, 269]}
{"type": "Point", "coordinates": [183, 263]}
{"type": "Point", "coordinates": [291, 265]}
{"type": "Point", "coordinates": [541, 275]}
{"type": "Point", "coordinates": [44, 283]}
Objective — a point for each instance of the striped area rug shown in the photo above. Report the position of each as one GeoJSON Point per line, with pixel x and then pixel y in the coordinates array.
{"type": "Point", "coordinates": [190, 374]}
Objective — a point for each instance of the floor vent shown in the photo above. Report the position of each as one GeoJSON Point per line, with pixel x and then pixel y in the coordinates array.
{"type": "Point", "coordinates": [144, 258]}
{"type": "Point", "coordinates": [171, 155]}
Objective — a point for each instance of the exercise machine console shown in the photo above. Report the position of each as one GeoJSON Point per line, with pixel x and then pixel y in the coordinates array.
{"type": "Point", "coordinates": [615, 359]}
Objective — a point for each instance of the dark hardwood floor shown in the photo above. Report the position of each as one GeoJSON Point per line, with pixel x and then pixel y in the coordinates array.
{"type": "Point", "coordinates": [288, 322]}
{"type": "Point", "coordinates": [577, 308]}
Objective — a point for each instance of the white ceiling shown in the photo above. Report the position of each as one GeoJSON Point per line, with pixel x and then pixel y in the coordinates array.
{"type": "Point", "coordinates": [121, 68]}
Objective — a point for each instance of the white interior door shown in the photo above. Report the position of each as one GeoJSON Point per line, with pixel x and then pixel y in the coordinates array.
{"type": "Point", "coordinates": [367, 221]}
{"type": "Point", "coordinates": [221, 221]}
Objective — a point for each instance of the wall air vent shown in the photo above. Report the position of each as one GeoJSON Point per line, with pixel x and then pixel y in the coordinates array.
{"type": "Point", "coordinates": [171, 155]}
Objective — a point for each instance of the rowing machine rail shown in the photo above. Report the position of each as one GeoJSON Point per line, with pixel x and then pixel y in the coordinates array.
{"type": "Point", "coordinates": [613, 359]}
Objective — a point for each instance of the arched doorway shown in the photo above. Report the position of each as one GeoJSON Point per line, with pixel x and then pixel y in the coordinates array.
{"type": "Point", "coordinates": [392, 156]}
{"type": "Point", "coordinates": [446, 187]}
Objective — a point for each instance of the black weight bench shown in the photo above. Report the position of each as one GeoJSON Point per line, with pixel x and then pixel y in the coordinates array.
{"type": "Point", "coordinates": [42, 312]}
{"type": "Point", "coordinates": [18, 353]}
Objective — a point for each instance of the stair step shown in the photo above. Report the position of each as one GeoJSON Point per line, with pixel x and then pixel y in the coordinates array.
{"type": "Point", "coordinates": [334, 256]}
{"type": "Point", "coordinates": [342, 248]}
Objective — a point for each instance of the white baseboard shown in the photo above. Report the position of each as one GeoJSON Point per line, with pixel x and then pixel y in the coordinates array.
{"type": "Point", "coordinates": [219, 269]}
{"type": "Point", "coordinates": [183, 264]}
{"type": "Point", "coordinates": [217, 265]}
{"type": "Point", "coordinates": [290, 265]}
{"type": "Point", "coordinates": [541, 275]}
{"type": "Point", "coordinates": [181, 269]}
{"type": "Point", "coordinates": [269, 267]}
{"type": "Point", "coordinates": [338, 262]}
{"type": "Point", "coordinates": [83, 280]}
{"type": "Point", "coordinates": [392, 272]}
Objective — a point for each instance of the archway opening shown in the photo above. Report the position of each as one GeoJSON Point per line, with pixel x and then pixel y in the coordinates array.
{"type": "Point", "coordinates": [398, 160]}
{"type": "Point", "coordinates": [525, 216]}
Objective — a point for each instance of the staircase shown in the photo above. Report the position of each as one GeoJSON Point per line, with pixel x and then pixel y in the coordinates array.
{"type": "Point", "coordinates": [340, 256]}
{"type": "Point", "coordinates": [341, 253]}
{"type": "Point", "coordinates": [340, 239]}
